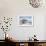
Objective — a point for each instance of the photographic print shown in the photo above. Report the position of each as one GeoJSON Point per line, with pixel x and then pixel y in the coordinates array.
{"type": "Point", "coordinates": [26, 20]}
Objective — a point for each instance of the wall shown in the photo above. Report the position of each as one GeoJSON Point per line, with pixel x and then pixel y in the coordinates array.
{"type": "Point", "coordinates": [13, 8]}
{"type": "Point", "coordinates": [45, 29]}
{"type": "Point", "coordinates": [23, 33]}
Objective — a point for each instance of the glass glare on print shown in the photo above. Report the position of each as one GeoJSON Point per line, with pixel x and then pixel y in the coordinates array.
{"type": "Point", "coordinates": [26, 20]}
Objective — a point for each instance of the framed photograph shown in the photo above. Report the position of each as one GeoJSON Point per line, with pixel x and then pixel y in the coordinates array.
{"type": "Point", "coordinates": [25, 20]}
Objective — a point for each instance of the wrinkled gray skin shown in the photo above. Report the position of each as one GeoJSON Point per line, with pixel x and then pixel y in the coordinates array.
{"type": "Point", "coordinates": [35, 3]}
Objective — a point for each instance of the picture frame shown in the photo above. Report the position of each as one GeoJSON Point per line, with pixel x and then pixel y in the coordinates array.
{"type": "Point", "coordinates": [25, 20]}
